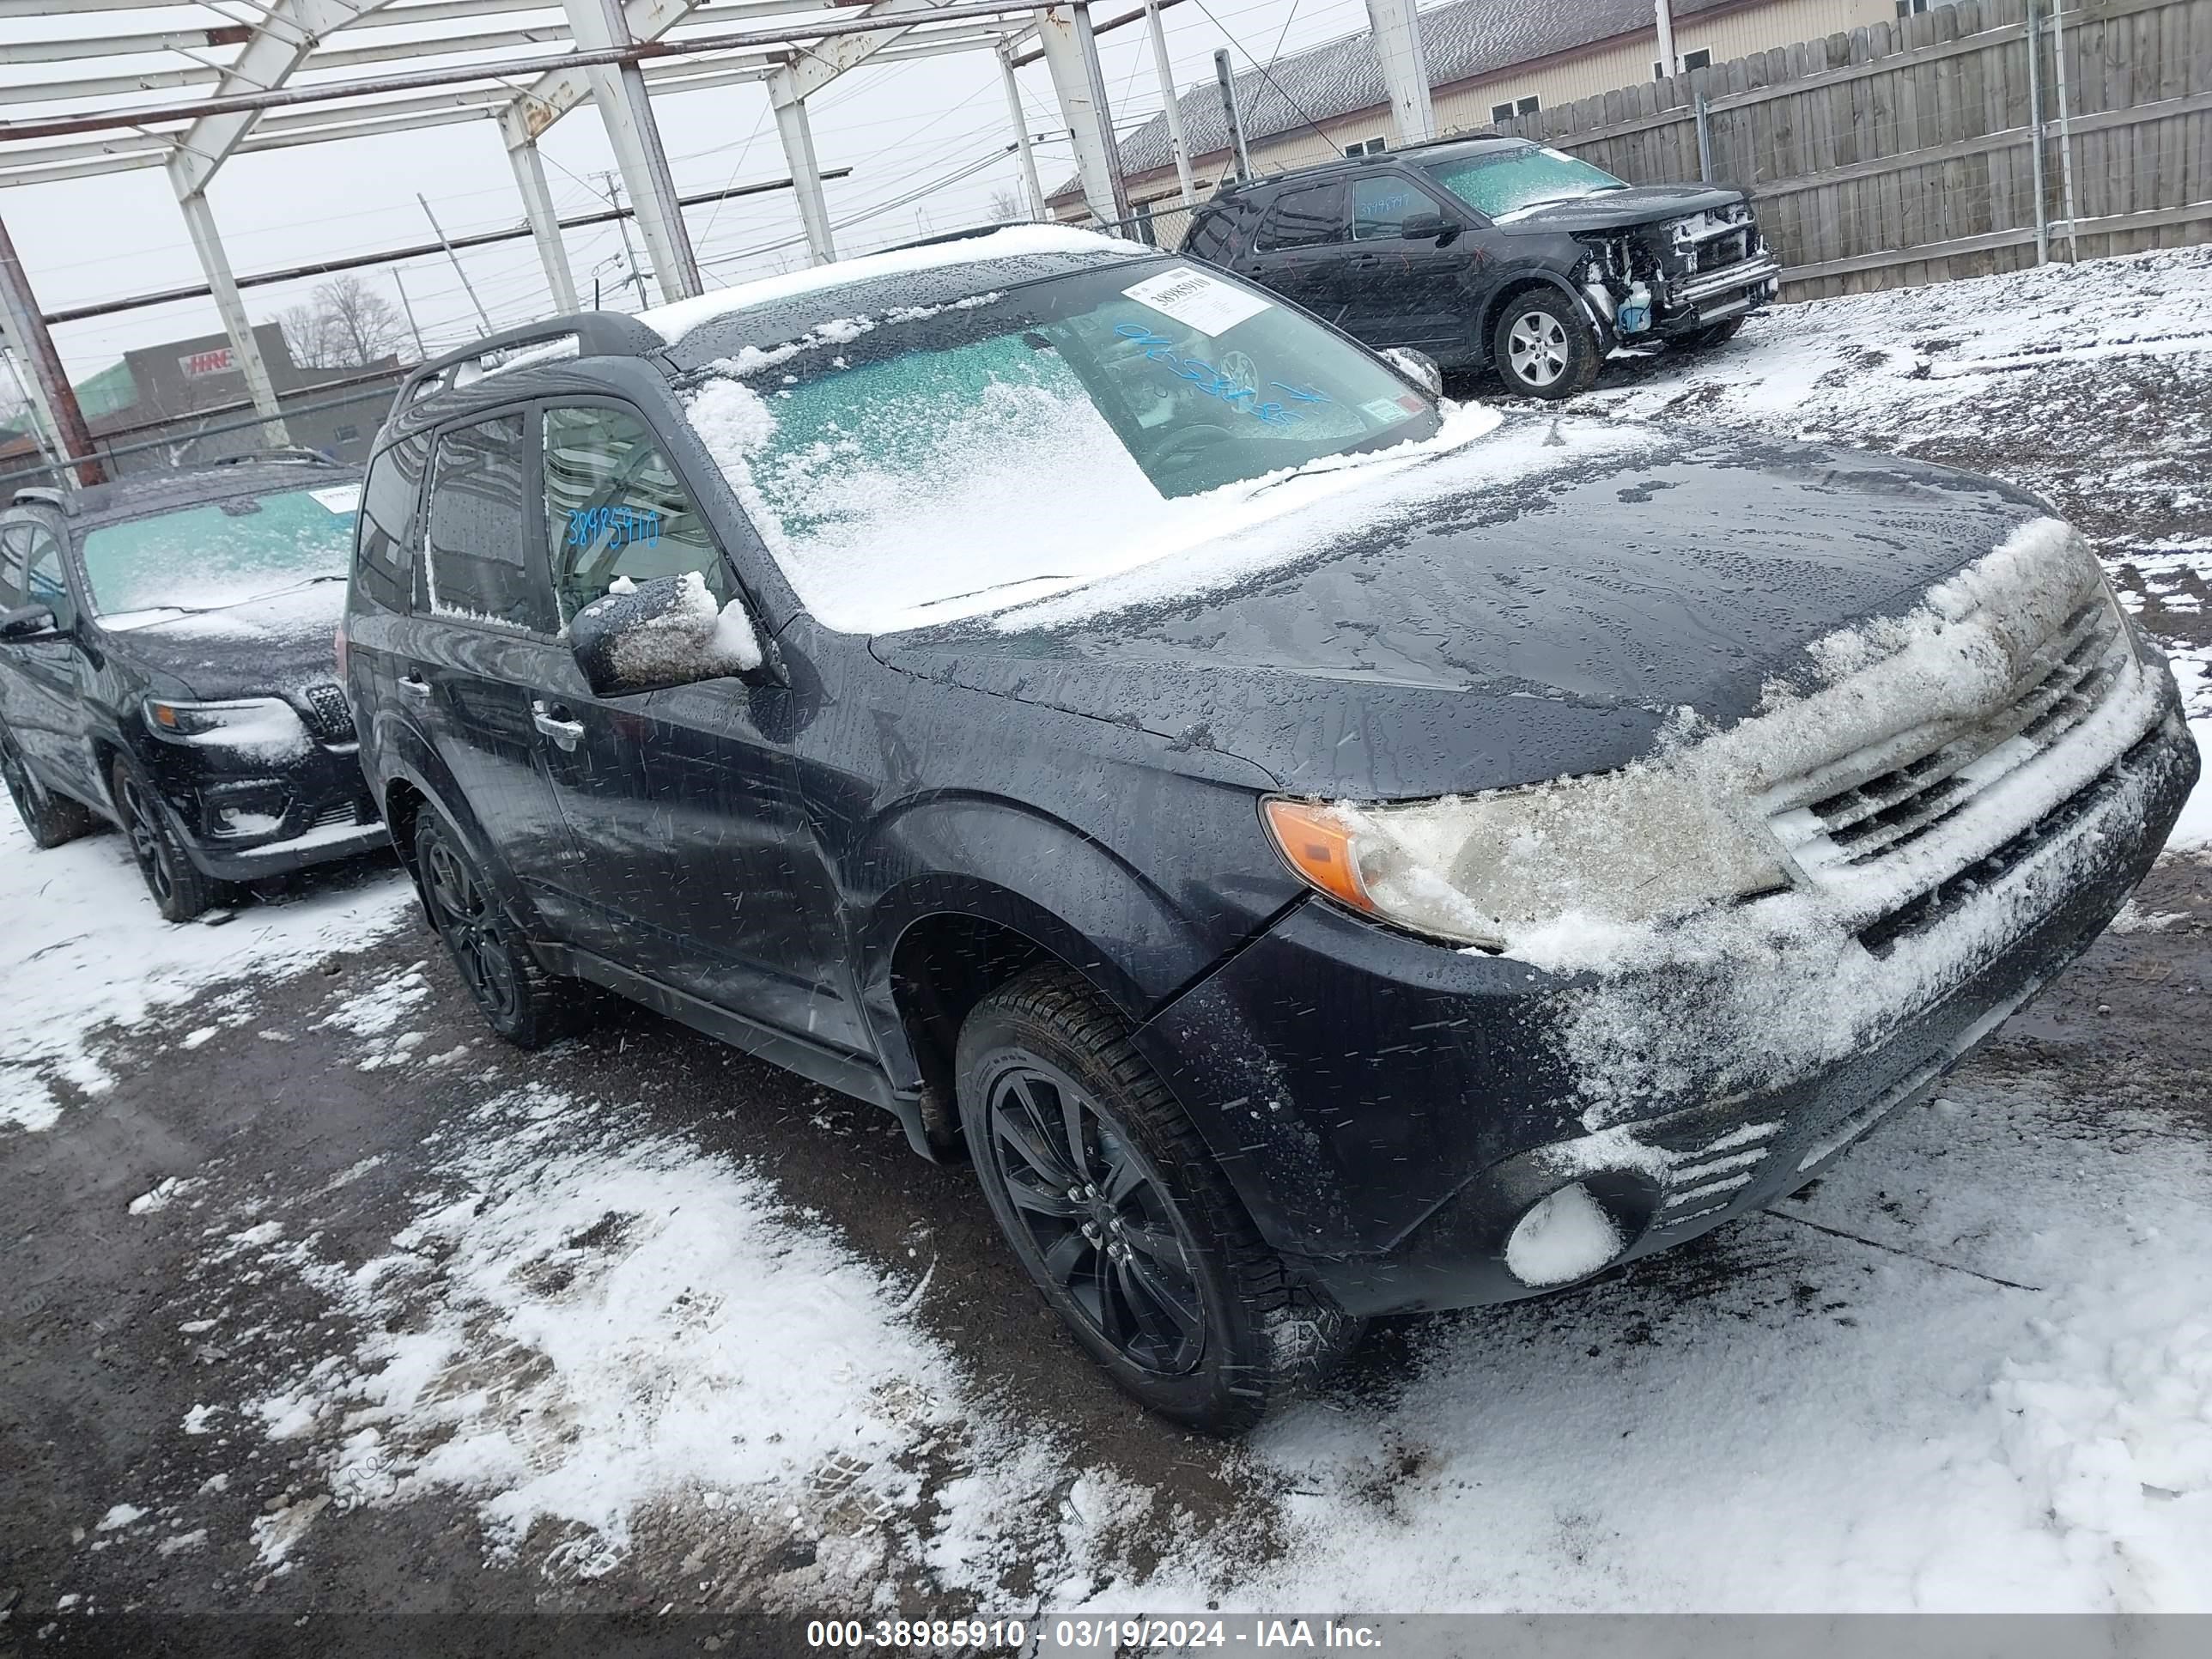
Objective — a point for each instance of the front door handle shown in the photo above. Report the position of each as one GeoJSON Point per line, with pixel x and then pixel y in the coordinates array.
{"type": "Point", "coordinates": [415, 685]}
{"type": "Point", "coordinates": [554, 723]}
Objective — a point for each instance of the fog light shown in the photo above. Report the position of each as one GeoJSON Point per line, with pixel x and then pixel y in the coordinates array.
{"type": "Point", "coordinates": [1564, 1236]}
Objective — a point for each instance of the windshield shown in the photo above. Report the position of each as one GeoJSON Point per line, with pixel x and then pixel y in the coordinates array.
{"type": "Point", "coordinates": [1501, 183]}
{"type": "Point", "coordinates": [222, 553]}
{"type": "Point", "coordinates": [1047, 435]}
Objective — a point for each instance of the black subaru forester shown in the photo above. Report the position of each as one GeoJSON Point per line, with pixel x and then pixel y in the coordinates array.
{"type": "Point", "coordinates": [1318, 850]}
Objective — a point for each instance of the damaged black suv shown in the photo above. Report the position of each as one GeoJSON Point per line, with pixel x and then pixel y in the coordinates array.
{"type": "Point", "coordinates": [1497, 253]}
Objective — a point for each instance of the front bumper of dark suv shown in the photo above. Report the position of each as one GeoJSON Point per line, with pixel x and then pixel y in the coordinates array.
{"type": "Point", "coordinates": [1391, 1108]}
{"type": "Point", "coordinates": [244, 816]}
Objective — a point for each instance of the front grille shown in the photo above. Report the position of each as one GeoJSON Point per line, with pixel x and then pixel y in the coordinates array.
{"type": "Point", "coordinates": [329, 719]}
{"type": "Point", "coordinates": [1894, 808]}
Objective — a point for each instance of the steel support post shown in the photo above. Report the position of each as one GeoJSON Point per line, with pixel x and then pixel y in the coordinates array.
{"type": "Point", "coordinates": [1169, 104]}
{"type": "Point", "coordinates": [797, 134]}
{"type": "Point", "coordinates": [538, 206]}
{"type": "Point", "coordinates": [626, 112]}
{"type": "Point", "coordinates": [1034, 191]}
{"type": "Point", "coordinates": [53, 400]}
{"type": "Point", "coordinates": [1072, 54]}
{"type": "Point", "coordinates": [199, 219]}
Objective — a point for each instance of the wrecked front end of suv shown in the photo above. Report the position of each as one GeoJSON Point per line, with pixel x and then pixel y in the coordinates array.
{"type": "Point", "coordinates": [1676, 276]}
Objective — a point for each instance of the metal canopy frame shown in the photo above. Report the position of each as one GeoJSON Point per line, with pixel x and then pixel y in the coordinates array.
{"type": "Point", "coordinates": [296, 72]}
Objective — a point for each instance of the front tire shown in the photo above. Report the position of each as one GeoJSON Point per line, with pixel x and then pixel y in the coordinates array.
{"type": "Point", "coordinates": [518, 1000]}
{"type": "Point", "coordinates": [1544, 347]}
{"type": "Point", "coordinates": [48, 818]}
{"type": "Point", "coordinates": [1707, 339]}
{"type": "Point", "coordinates": [179, 889]}
{"type": "Point", "coordinates": [1122, 1217]}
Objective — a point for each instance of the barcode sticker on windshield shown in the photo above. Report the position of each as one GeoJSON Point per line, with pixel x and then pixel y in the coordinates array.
{"type": "Point", "coordinates": [1197, 301]}
{"type": "Point", "coordinates": [339, 498]}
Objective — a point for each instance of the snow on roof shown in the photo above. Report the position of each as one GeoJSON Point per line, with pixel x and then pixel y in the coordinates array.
{"type": "Point", "coordinates": [1464, 39]}
{"type": "Point", "coordinates": [672, 322]}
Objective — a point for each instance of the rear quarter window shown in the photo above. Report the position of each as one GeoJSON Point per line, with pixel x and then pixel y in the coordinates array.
{"type": "Point", "coordinates": [1210, 237]}
{"type": "Point", "coordinates": [383, 554]}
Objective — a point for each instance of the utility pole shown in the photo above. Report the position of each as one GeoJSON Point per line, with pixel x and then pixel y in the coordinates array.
{"type": "Point", "coordinates": [458, 270]}
{"type": "Point", "coordinates": [1030, 183]}
{"type": "Point", "coordinates": [54, 398]}
{"type": "Point", "coordinates": [408, 305]}
{"type": "Point", "coordinates": [1169, 104]}
{"type": "Point", "coordinates": [1221, 73]}
{"type": "Point", "coordinates": [629, 255]}
{"type": "Point", "coordinates": [1404, 63]}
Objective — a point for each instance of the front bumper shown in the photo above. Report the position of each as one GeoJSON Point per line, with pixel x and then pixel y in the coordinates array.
{"type": "Point", "coordinates": [1388, 1108]}
{"type": "Point", "coordinates": [308, 810]}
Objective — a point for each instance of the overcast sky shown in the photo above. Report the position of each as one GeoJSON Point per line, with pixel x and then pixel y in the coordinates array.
{"type": "Point", "coordinates": [898, 127]}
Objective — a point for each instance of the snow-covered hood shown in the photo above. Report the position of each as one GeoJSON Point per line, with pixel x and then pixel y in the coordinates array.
{"type": "Point", "coordinates": [268, 645]}
{"type": "Point", "coordinates": [1546, 626]}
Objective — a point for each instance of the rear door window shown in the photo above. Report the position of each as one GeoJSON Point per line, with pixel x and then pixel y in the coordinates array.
{"type": "Point", "coordinates": [483, 548]}
{"type": "Point", "coordinates": [384, 555]}
{"type": "Point", "coordinates": [1311, 216]}
{"type": "Point", "coordinates": [615, 509]}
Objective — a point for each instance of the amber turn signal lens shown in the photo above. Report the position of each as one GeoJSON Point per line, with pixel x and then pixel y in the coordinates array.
{"type": "Point", "coordinates": [163, 714]}
{"type": "Point", "coordinates": [1318, 844]}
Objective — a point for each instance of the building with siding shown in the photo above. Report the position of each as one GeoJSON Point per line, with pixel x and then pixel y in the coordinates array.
{"type": "Point", "coordinates": [1488, 60]}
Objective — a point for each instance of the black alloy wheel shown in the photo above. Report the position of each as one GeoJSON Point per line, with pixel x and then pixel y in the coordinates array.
{"type": "Point", "coordinates": [518, 1000]}
{"type": "Point", "coordinates": [48, 818]}
{"type": "Point", "coordinates": [1097, 1218]}
{"type": "Point", "coordinates": [1117, 1210]}
{"type": "Point", "coordinates": [179, 889]}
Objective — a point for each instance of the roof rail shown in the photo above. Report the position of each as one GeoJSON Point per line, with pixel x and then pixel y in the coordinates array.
{"type": "Point", "coordinates": [597, 334]}
{"type": "Point", "coordinates": [41, 495]}
{"type": "Point", "coordinates": [275, 455]}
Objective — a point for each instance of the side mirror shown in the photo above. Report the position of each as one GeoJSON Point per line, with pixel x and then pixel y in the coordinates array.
{"type": "Point", "coordinates": [26, 621]}
{"type": "Point", "coordinates": [1416, 366]}
{"type": "Point", "coordinates": [1428, 228]}
{"type": "Point", "coordinates": [664, 631]}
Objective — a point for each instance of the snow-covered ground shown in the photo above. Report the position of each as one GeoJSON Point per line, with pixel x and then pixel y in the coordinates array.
{"type": "Point", "coordinates": [1972, 1369]}
{"type": "Point", "coordinates": [84, 949]}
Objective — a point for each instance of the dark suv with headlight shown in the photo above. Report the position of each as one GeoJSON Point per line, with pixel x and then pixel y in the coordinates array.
{"type": "Point", "coordinates": [166, 666]}
{"type": "Point", "coordinates": [1497, 253]}
{"type": "Point", "coordinates": [1319, 851]}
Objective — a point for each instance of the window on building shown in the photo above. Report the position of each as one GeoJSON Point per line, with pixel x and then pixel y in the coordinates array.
{"type": "Point", "coordinates": [1501, 112]}
{"type": "Point", "coordinates": [1696, 60]}
{"type": "Point", "coordinates": [1908, 8]}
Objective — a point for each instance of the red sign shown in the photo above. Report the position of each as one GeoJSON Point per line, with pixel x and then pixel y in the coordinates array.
{"type": "Point", "coordinates": [198, 364]}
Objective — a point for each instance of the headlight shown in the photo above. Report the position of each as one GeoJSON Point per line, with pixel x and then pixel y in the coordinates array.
{"type": "Point", "coordinates": [251, 722]}
{"type": "Point", "coordinates": [1619, 847]}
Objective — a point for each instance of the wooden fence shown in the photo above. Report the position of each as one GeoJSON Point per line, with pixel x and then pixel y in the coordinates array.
{"type": "Point", "coordinates": [1921, 151]}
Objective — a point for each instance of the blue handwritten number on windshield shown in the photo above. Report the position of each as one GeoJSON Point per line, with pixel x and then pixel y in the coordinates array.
{"type": "Point", "coordinates": [622, 526]}
{"type": "Point", "coordinates": [1206, 377]}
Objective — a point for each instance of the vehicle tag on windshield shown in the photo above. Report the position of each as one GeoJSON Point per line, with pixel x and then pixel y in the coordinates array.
{"type": "Point", "coordinates": [339, 498]}
{"type": "Point", "coordinates": [1197, 301]}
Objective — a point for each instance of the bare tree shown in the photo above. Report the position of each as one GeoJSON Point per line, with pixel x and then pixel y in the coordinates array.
{"type": "Point", "coordinates": [347, 325]}
{"type": "Point", "coordinates": [1006, 207]}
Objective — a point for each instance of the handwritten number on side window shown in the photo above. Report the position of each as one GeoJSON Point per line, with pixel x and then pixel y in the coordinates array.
{"type": "Point", "coordinates": [1205, 376]}
{"type": "Point", "coordinates": [622, 527]}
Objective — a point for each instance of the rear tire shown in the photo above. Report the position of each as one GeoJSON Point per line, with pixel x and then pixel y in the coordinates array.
{"type": "Point", "coordinates": [518, 1000]}
{"type": "Point", "coordinates": [179, 889]}
{"type": "Point", "coordinates": [1122, 1218]}
{"type": "Point", "coordinates": [1544, 347]}
{"type": "Point", "coordinates": [48, 818]}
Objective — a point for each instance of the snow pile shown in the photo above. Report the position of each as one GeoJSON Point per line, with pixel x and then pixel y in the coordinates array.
{"type": "Point", "coordinates": [77, 912]}
{"type": "Point", "coordinates": [672, 322]}
{"type": "Point", "coordinates": [590, 1318]}
{"type": "Point", "coordinates": [2110, 1429]}
{"type": "Point", "coordinates": [1568, 1236]}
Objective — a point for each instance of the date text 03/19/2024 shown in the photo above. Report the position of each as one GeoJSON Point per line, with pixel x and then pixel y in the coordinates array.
{"type": "Point", "coordinates": [1073, 1635]}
